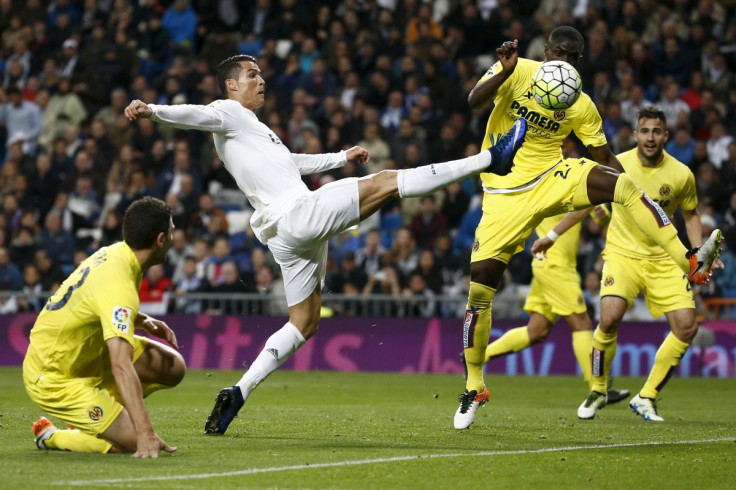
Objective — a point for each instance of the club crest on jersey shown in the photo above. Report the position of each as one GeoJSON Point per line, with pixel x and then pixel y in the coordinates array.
{"type": "Point", "coordinates": [609, 281]}
{"type": "Point", "coordinates": [121, 318]}
{"type": "Point", "coordinates": [476, 246]}
{"type": "Point", "coordinates": [96, 413]}
{"type": "Point", "coordinates": [560, 115]}
{"type": "Point", "coordinates": [665, 191]}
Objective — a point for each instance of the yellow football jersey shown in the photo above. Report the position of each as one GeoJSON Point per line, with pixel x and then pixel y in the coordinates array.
{"type": "Point", "coordinates": [546, 128]}
{"type": "Point", "coordinates": [670, 184]}
{"type": "Point", "coordinates": [98, 301]}
{"type": "Point", "coordinates": [564, 252]}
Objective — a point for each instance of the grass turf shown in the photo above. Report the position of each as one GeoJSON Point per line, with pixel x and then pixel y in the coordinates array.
{"type": "Point", "coordinates": [364, 430]}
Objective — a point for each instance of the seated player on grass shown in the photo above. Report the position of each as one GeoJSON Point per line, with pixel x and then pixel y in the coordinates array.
{"type": "Point", "coordinates": [84, 365]}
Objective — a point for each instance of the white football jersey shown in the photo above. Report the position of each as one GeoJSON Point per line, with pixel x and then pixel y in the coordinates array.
{"type": "Point", "coordinates": [262, 166]}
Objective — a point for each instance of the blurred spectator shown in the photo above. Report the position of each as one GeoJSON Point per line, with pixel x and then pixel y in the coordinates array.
{"type": "Point", "coordinates": [154, 285]}
{"type": "Point", "coordinates": [214, 266]}
{"type": "Point", "coordinates": [10, 276]}
{"type": "Point", "coordinates": [22, 119]}
{"type": "Point", "coordinates": [207, 211]}
{"type": "Point", "coordinates": [681, 145]}
{"type": "Point", "coordinates": [57, 242]}
{"type": "Point", "coordinates": [718, 144]}
{"type": "Point", "coordinates": [428, 223]}
{"type": "Point", "coordinates": [189, 282]}
{"type": "Point", "coordinates": [32, 288]}
{"type": "Point", "coordinates": [672, 104]}
{"type": "Point", "coordinates": [179, 250]}
{"type": "Point", "coordinates": [368, 258]}
{"type": "Point", "coordinates": [386, 282]}
{"type": "Point", "coordinates": [69, 58]}
{"type": "Point", "coordinates": [23, 247]}
{"type": "Point", "coordinates": [348, 273]}
{"type": "Point", "coordinates": [181, 23]}
{"type": "Point", "coordinates": [43, 183]}
{"type": "Point", "coordinates": [272, 287]}
{"type": "Point", "coordinates": [83, 203]}
{"type": "Point", "coordinates": [51, 275]}
{"type": "Point", "coordinates": [718, 77]}
{"type": "Point", "coordinates": [623, 140]}
{"type": "Point", "coordinates": [112, 228]}
{"type": "Point", "coordinates": [154, 47]}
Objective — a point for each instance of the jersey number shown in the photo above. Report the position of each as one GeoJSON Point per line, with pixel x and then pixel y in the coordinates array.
{"type": "Point", "coordinates": [562, 174]}
{"type": "Point", "coordinates": [57, 305]}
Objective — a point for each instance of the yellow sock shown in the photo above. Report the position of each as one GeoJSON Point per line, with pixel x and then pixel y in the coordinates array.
{"type": "Point", "coordinates": [582, 342]}
{"type": "Point", "coordinates": [77, 441]}
{"type": "Point", "coordinates": [476, 329]}
{"type": "Point", "coordinates": [512, 341]}
{"type": "Point", "coordinates": [604, 350]}
{"type": "Point", "coordinates": [650, 218]}
{"type": "Point", "coordinates": [665, 361]}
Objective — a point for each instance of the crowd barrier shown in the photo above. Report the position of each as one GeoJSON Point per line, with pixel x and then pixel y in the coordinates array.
{"type": "Point", "coordinates": [408, 345]}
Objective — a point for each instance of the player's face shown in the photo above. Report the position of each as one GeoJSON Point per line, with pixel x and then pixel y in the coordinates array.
{"type": "Point", "coordinates": [564, 50]}
{"type": "Point", "coordinates": [163, 249]}
{"type": "Point", "coordinates": [651, 136]}
{"type": "Point", "coordinates": [249, 87]}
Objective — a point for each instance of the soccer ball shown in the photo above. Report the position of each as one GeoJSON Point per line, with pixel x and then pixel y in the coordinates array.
{"type": "Point", "coordinates": [556, 85]}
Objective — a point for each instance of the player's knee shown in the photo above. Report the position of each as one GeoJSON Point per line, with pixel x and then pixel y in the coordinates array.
{"type": "Point", "coordinates": [686, 333]}
{"type": "Point", "coordinates": [538, 336]}
{"type": "Point", "coordinates": [179, 370]}
{"type": "Point", "coordinates": [609, 321]}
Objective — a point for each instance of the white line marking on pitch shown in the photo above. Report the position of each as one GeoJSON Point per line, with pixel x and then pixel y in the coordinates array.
{"type": "Point", "coordinates": [275, 469]}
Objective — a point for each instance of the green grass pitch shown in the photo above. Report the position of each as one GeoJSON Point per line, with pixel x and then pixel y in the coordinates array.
{"type": "Point", "coordinates": [364, 430]}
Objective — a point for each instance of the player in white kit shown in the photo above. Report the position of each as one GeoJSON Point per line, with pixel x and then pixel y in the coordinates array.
{"type": "Point", "coordinates": [293, 221]}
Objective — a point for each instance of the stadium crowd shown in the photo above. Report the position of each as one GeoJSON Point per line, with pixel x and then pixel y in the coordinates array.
{"type": "Point", "coordinates": [389, 75]}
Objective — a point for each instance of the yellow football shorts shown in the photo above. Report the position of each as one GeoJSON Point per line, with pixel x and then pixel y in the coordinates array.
{"type": "Point", "coordinates": [89, 404]}
{"type": "Point", "coordinates": [555, 291]}
{"type": "Point", "coordinates": [662, 282]}
{"type": "Point", "coordinates": [509, 218]}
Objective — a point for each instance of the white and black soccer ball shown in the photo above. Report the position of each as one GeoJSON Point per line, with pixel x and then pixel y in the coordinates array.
{"type": "Point", "coordinates": [556, 85]}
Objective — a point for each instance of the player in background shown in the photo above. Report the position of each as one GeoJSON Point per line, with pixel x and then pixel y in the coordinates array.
{"type": "Point", "coordinates": [543, 184]}
{"type": "Point", "coordinates": [634, 263]}
{"type": "Point", "coordinates": [84, 364]}
{"type": "Point", "coordinates": [555, 291]}
{"type": "Point", "coordinates": [294, 222]}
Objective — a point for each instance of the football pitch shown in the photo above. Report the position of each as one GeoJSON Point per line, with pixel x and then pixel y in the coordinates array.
{"type": "Point", "coordinates": [364, 430]}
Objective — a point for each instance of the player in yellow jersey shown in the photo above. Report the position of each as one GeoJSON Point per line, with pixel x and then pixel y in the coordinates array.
{"type": "Point", "coordinates": [555, 291]}
{"type": "Point", "coordinates": [85, 366]}
{"type": "Point", "coordinates": [543, 184]}
{"type": "Point", "coordinates": [635, 264]}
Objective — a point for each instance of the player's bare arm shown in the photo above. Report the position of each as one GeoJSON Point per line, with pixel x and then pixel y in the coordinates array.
{"type": "Point", "coordinates": [484, 92]}
{"type": "Point", "coordinates": [137, 109]}
{"type": "Point", "coordinates": [542, 244]}
{"type": "Point", "coordinates": [604, 156]}
{"type": "Point", "coordinates": [157, 328]}
{"type": "Point", "coordinates": [148, 443]}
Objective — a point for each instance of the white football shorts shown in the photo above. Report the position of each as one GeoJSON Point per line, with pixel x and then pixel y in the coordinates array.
{"type": "Point", "coordinates": [300, 244]}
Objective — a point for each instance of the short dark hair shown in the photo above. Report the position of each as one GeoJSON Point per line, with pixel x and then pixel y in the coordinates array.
{"type": "Point", "coordinates": [567, 32]}
{"type": "Point", "coordinates": [230, 68]}
{"type": "Point", "coordinates": [651, 112]}
{"type": "Point", "coordinates": [144, 220]}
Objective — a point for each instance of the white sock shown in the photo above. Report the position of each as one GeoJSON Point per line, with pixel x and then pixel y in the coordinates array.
{"type": "Point", "coordinates": [415, 182]}
{"type": "Point", "coordinates": [279, 347]}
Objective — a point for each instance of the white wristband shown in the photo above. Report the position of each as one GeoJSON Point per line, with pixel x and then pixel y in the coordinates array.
{"type": "Point", "coordinates": [552, 235]}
